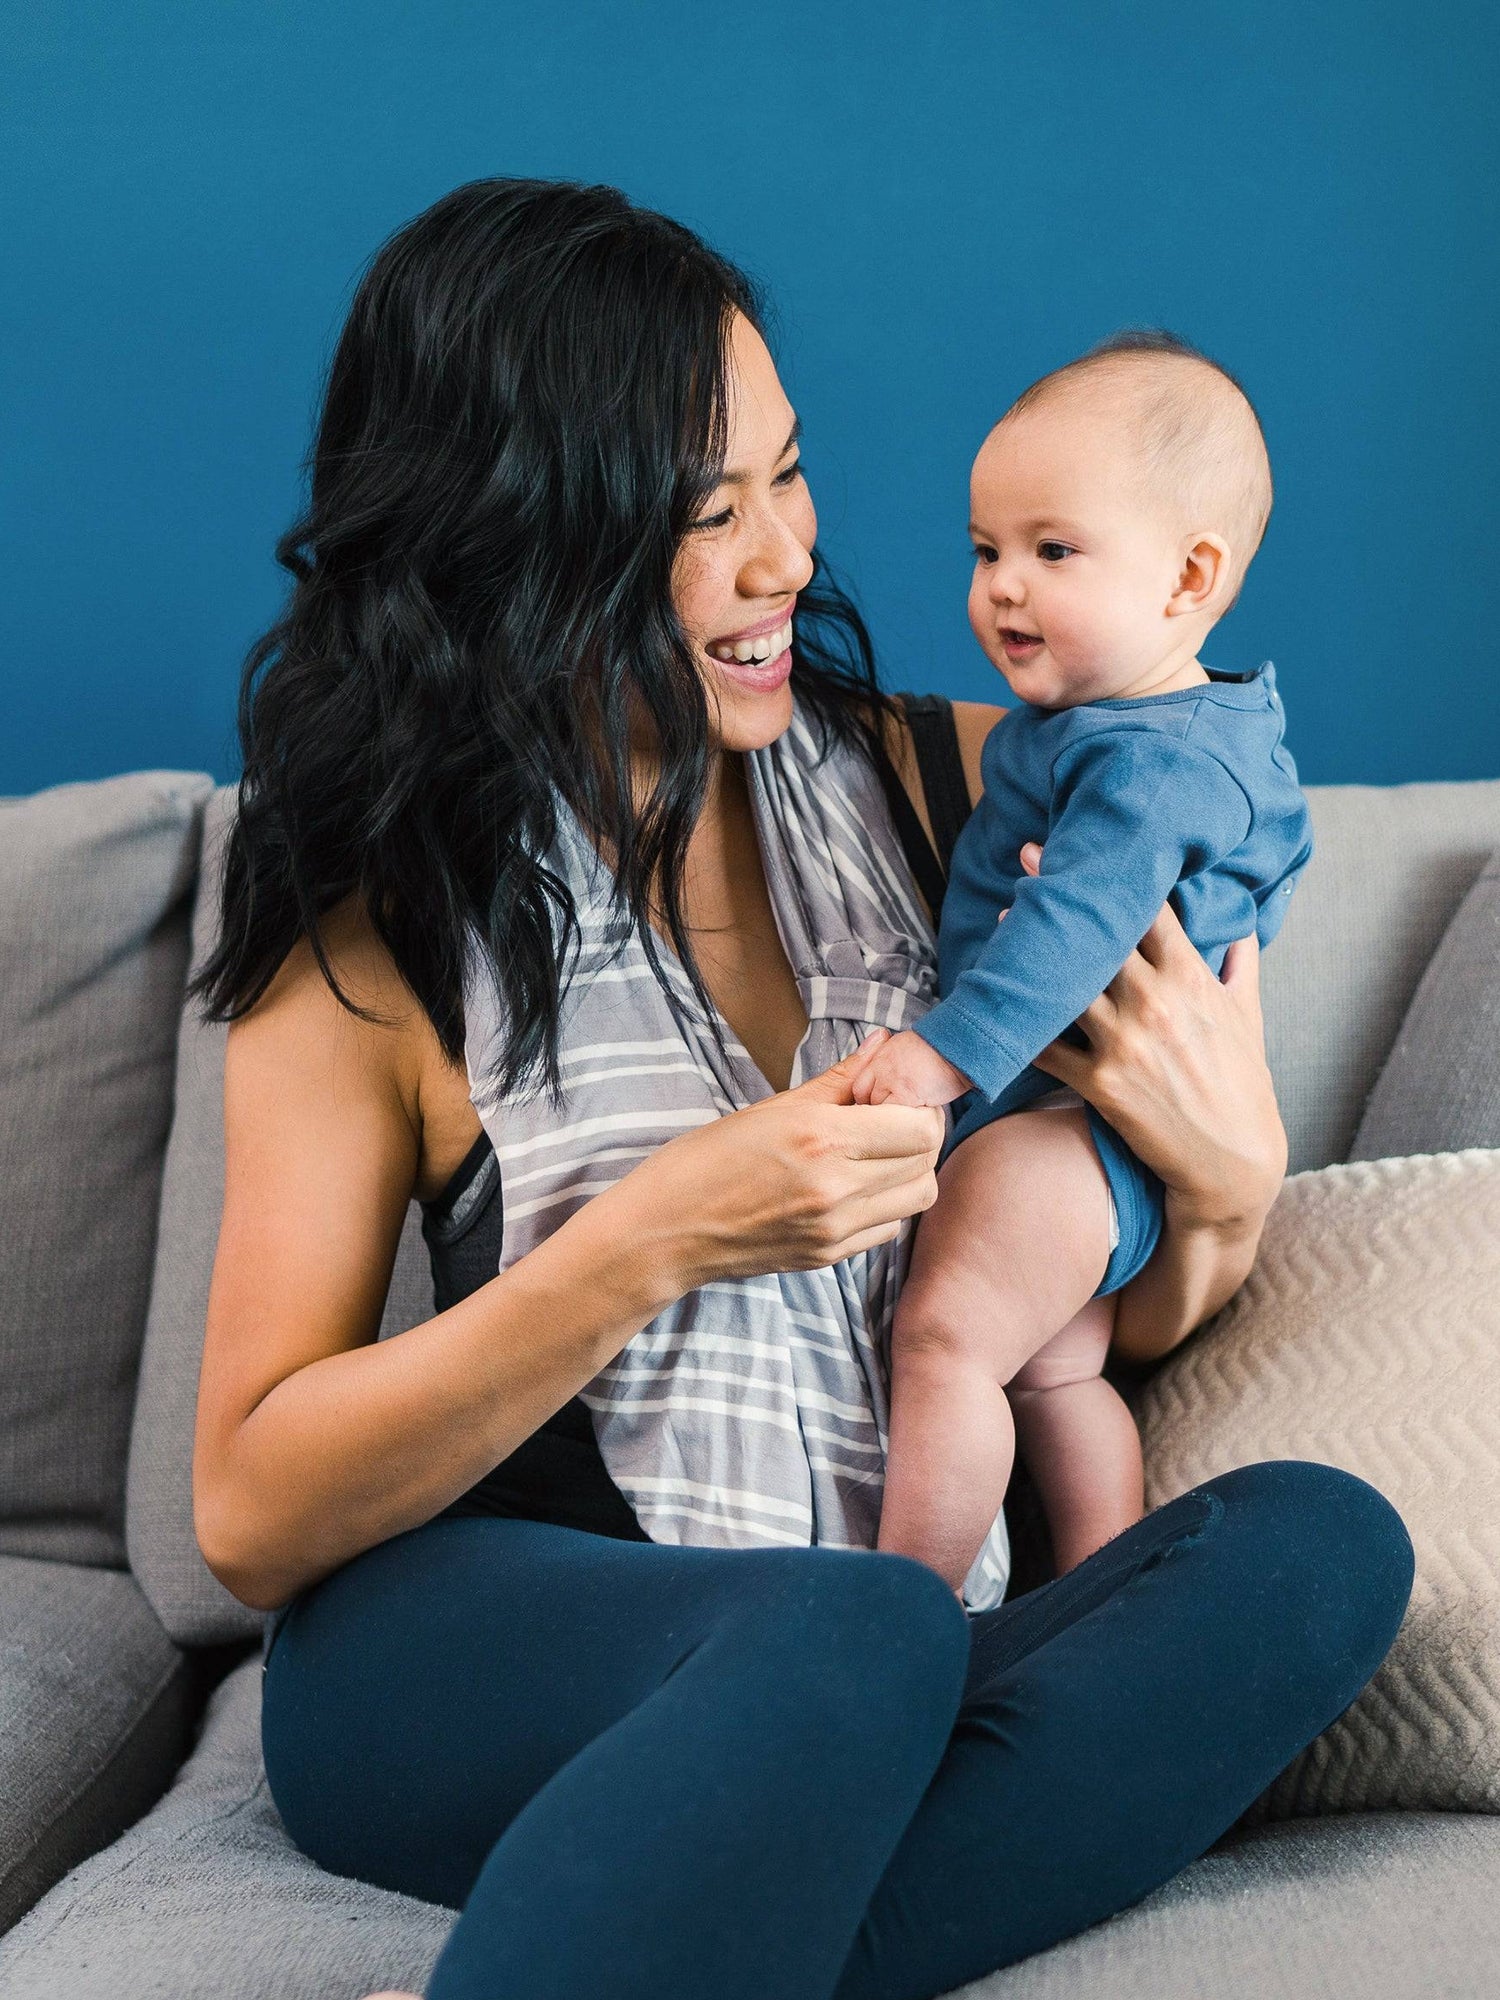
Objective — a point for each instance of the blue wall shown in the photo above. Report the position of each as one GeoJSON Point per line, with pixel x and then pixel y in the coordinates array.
{"type": "Point", "coordinates": [945, 197]}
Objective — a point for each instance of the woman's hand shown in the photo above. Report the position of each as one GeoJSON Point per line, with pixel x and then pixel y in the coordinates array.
{"type": "Point", "coordinates": [1176, 1062]}
{"type": "Point", "coordinates": [802, 1179]}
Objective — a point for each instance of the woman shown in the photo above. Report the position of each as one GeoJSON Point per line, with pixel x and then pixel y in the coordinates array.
{"type": "Point", "coordinates": [513, 769]}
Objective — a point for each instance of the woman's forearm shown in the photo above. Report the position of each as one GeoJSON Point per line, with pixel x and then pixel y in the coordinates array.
{"type": "Point", "coordinates": [368, 1442]}
{"type": "Point", "coordinates": [1197, 1267]}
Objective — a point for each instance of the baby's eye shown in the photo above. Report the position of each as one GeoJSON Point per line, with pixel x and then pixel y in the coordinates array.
{"type": "Point", "coordinates": [1054, 552]}
{"type": "Point", "coordinates": [984, 554]}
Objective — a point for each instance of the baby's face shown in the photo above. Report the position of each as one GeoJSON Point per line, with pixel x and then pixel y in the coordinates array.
{"type": "Point", "coordinates": [1073, 569]}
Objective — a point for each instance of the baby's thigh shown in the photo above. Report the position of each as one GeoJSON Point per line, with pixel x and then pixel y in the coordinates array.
{"type": "Point", "coordinates": [1015, 1244]}
{"type": "Point", "coordinates": [1074, 1355]}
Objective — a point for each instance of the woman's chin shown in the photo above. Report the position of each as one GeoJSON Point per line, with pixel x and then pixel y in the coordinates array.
{"type": "Point", "coordinates": [754, 703]}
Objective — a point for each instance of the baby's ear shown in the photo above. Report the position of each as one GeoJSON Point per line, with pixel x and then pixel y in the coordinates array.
{"type": "Point", "coordinates": [1204, 581]}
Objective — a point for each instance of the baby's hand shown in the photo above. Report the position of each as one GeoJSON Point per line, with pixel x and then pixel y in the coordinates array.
{"type": "Point", "coordinates": [907, 1070]}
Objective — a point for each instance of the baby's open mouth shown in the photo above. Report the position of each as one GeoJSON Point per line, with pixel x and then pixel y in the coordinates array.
{"type": "Point", "coordinates": [1011, 638]}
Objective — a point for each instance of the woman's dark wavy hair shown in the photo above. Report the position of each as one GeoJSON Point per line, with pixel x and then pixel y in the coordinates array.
{"type": "Point", "coordinates": [523, 415]}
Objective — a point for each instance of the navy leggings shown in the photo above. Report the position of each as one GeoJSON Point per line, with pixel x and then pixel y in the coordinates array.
{"type": "Point", "coordinates": [649, 1773]}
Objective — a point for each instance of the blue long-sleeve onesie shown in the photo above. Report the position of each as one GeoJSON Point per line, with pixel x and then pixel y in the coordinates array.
{"type": "Point", "coordinates": [1191, 795]}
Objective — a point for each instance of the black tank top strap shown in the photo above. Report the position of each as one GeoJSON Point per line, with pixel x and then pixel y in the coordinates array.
{"type": "Point", "coordinates": [934, 737]}
{"type": "Point", "coordinates": [927, 870]}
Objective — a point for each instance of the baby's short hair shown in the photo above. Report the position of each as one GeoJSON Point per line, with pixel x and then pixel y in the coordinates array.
{"type": "Point", "coordinates": [1196, 428]}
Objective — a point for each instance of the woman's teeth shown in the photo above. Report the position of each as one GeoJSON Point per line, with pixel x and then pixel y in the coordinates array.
{"type": "Point", "coordinates": [769, 646]}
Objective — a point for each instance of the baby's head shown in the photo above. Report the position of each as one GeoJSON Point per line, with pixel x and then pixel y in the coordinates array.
{"type": "Point", "coordinates": [1115, 508]}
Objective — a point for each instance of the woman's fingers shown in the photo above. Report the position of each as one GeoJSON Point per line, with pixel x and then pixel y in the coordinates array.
{"type": "Point", "coordinates": [889, 1131]}
{"type": "Point", "coordinates": [1240, 974]}
{"type": "Point", "coordinates": [876, 1219]}
{"type": "Point", "coordinates": [1069, 1065]}
{"type": "Point", "coordinates": [835, 1085]}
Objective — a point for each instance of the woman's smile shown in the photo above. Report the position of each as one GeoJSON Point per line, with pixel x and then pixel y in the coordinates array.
{"type": "Point", "coordinates": [760, 656]}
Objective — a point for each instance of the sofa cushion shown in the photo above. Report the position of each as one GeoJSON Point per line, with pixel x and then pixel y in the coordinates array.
{"type": "Point", "coordinates": [191, 1603]}
{"type": "Point", "coordinates": [94, 1718]}
{"type": "Point", "coordinates": [1368, 1336]}
{"type": "Point", "coordinates": [1377, 1906]}
{"type": "Point", "coordinates": [94, 887]}
{"type": "Point", "coordinates": [1390, 867]}
{"type": "Point", "coordinates": [1440, 1088]}
{"type": "Point", "coordinates": [208, 1896]}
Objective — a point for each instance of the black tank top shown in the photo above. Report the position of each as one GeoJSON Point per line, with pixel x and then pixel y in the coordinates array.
{"type": "Point", "coordinates": [558, 1474]}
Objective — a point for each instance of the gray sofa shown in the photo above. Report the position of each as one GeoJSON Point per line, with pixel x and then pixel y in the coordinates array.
{"type": "Point", "coordinates": [140, 1853]}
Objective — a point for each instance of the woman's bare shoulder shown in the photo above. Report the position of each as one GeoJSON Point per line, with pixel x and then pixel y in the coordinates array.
{"type": "Point", "coordinates": [355, 959]}
{"type": "Point", "coordinates": [973, 721]}
{"type": "Point", "coordinates": [385, 1056]}
{"type": "Point", "coordinates": [304, 1038]}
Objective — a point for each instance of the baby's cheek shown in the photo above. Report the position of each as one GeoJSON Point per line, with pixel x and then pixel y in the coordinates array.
{"type": "Point", "coordinates": [982, 617]}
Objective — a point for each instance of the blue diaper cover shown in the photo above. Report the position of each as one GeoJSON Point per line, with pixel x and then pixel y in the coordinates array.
{"type": "Point", "coordinates": [1138, 1198]}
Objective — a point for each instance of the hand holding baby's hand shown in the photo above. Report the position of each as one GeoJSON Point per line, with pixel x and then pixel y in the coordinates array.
{"type": "Point", "coordinates": [907, 1070]}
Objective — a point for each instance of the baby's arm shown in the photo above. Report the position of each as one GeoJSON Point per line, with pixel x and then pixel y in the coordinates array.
{"type": "Point", "coordinates": [1134, 811]}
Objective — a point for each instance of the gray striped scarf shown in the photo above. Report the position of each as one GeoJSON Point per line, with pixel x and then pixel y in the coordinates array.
{"type": "Point", "coordinates": [752, 1412]}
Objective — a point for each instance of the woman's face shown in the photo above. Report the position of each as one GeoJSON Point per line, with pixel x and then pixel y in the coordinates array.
{"type": "Point", "coordinates": [743, 561]}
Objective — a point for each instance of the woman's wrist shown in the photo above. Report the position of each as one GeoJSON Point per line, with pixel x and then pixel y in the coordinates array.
{"type": "Point", "coordinates": [1198, 1266]}
{"type": "Point", "coordinates": [1233, 1203]}
{"type": "Point", "coordinates": [647, 1243]}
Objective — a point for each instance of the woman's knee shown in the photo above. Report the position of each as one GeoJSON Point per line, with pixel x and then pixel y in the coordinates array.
{"type": "Point", "coordinates": [1330, 1545]}
{"type": "Point", "coordinates": [858, 1618]}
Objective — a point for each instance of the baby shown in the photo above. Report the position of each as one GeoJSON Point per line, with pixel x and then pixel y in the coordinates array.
{"type": "Point", "coordinates": [1115, 509]}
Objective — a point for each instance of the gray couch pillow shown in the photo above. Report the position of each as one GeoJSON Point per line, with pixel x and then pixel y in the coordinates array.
{"type": "Point", "coordinates": [1440, 1089]}
{"type": "Point", "coordinates": [1392, 864]}
{"type": "Point", "coordinates": [94, 888]}
{"type": "Point", "coordinates": [190, 1602]}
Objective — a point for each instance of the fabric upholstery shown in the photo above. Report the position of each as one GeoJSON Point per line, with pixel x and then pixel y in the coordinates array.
{"type": "Point", "coordinates": [194, 1607]}
{"type": "Point", "coordinates": [94, 886]}
{"type": "Point", "coordinates": [1390, 866]}
{"type": "Point", "coordinates": [1368, 1336]}
{"type": "Point", "coordinates": [1440, 1089]}
{"type": "Point", "coordinates": [207, 1899]}
{"type": "Point", "coordinates": [94, 1718]}
{"type": "Point", "coordinates": [1377, 1906]}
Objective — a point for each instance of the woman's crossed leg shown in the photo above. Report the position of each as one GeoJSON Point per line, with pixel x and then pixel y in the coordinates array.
{"type": "Point", "coordinates": [723, 1775]}
{"type": "Point", "coordinates": [646, 1773]}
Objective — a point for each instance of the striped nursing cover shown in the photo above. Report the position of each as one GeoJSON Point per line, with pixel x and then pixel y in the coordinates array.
{"type": "Point", "coordinates": [752, 1412]}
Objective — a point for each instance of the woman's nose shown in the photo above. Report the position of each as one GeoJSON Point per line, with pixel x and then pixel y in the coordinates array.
{"type": "Point", "coordinates": [780, 561]}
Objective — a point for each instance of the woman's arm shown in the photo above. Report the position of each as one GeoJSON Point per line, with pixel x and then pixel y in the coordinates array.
{"type": "Point", "coordinates": [315, 1442]}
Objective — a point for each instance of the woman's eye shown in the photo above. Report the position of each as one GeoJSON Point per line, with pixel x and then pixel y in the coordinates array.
{"type": "Point", "coordinates": [1054, 552]}
{"type": "Point", "coordinates": [714, 520]}
{"type": "Point", "coordinates": [792, 474]}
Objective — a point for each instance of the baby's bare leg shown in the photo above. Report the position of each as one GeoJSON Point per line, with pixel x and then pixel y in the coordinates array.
{"type": "Point", "coordinates": [1013, 1249]}
{"type": "Point", "coordinates": [1078, 1439]}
